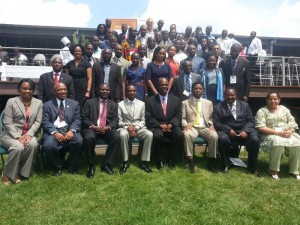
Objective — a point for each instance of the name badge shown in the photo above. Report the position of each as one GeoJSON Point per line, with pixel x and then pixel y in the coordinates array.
{"type": "Point", "coordinates": [186, 93]}
{"type": "Point", "coordinates": [233, 79]}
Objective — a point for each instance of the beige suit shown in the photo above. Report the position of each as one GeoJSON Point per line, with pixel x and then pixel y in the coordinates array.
{"type": "Point", "coordinates": [188, 119]}
{"type": "Point", "coordinates": [137, 119]}
{"type": "Point", "coordinates": [20, 158]}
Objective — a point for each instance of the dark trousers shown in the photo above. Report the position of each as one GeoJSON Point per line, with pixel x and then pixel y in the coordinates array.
{"type": "Point", "coordinates": [176, 137]}
{"type": "Point", "coordinates": [114, 144]}
{"type": "Point", "coordinates": [251, 143]}
{"type": "Point", "coordinates": [55, 151]}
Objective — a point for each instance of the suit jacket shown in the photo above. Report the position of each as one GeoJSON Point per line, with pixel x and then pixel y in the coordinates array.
{"type": "Point", "coordinates": [189, 112]}
{"type": "Point", "coordinates": [224, 121]}
{"type": "Point", "coordinates": [137, 118]}
{"type": "Point", "coordinates": [90, 113]}
{"type": "Point", "coordinates": [46, 84]}
{"type": "Point", "coordinates": [198, 64]}
{"type": "Point", "coordinates": [243, 76]}
{"type": "Point", "coordinates": [15, 117]}
{"type": "Point", "coordinates": [51, 112]}
{"type": "Point", "coordinates": [114, 79]}
{"type": "Point", "coordinates": [179, 86]}
{"type": "Point", "coordinates": [155, 115]}
{"type": "Point", "coordinates": [121, 62]}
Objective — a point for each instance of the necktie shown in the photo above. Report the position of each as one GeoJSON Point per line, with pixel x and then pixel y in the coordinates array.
{"type": "Point", "coordinates": [164, 105]}
{"type": "Point", "coordinates": [232, 110]}
{"type": "Point", "coordinates": [187, 83]}
{"type": "Point", "coordinates": [89, 59]}
{"type": "Point", "coordinates": [233, 62]}
{"type": "Point", "coordinates": [103, 114]}
{"type": "Point", "coordinates": [55, 78]}
{"type": "Point", "coordinates": [131, 108]}
{"type": "Point", "coordinates": [61, 112]}
{"type": "Point", "coordinates": [197, 119]}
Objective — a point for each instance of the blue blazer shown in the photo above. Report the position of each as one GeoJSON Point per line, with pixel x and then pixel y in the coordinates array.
{"type": "Point", "coordinates": [51, 112]}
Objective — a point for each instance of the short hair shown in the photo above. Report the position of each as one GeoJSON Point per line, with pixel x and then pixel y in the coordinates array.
{"type": "Point", "coordinates": [56, 56]}
{"type": "Point", "coordinates": [87, 44]}
{"type": "Point", "coordinates": [26, 80]}
{"type": "Point", "coordinates": [72, 48]}
{"type": "Point", "coordinates": [230, 88]}
{"type": "Point", "coordinates": [273, 92]}
{"type": "Point", "coordinates": [196, 83]}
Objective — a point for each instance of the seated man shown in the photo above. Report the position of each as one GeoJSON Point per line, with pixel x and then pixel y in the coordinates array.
{"type": "Point", "coordinates": [163, 116]}
{"type": "Point", "coordinates": [61, 130]}
{"type": "Point", "coordinates": [132, 122]}
{"type": "Point", "coordinates": [234, 123]}
{"type": "Point", "coordinates": [100, 120]}
{"type": "Point", "coordinates": [197, 121]}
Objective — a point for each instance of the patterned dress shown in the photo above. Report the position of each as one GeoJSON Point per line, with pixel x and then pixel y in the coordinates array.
{"type": "Point", "coordinates": [283, 119]}
{"type": "Point", "coordinates": [136, 78]}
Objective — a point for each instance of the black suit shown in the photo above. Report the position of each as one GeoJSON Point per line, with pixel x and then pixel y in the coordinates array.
{"type": "Point", "coordinates": [179, 86]}
{"type": "Point", "coordinates": [224, 121]}
{"type": "Point", "coordinates": [90, 116]}
{"type": "Point", "coordinates": [46, 84]}
{"type": "Point", "coordinates": [54, 149]}
{"type": "Point", "coordinates": [242, 73]}
{"type": "Point", "coordinates": [114, 79]}
{"type": "Point", "coordinates": [155, 117]}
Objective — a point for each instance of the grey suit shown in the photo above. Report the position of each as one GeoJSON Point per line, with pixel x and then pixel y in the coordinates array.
{"type": "Point", "coordinates": [20, 158]}
{"type": "Point", "coordinates": [179, 84]}
{"type": "Point", "coordinates": [137, 119]}
{"type": "Point", "coordinates": [46, 83]}
{"type": "Point", "coordinates": [188, 119]}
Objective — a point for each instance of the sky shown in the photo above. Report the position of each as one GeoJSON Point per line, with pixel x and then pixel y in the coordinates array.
{"type": "Point", "coordinates": [269, 18]}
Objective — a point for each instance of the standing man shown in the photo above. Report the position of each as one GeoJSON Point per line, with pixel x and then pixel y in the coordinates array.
{"type": "Point", "coordinates": [3, 56]}
{"type": "Point", "coordinates": [150, 47]}
{"type": "Point", "coordinates": [163, 117]}
{"type": "Point", "coordinates": [65, 51]}
{"type": "Point", "coordinates": [208, 31]}
{"type": "Point", "coordinates": [131, 113]}
{"type": "Point", "coordinates": [89, 54]}
{"type": "Point", "coordinates": [234, 123]}
{"type": "Point", "coordinates": [160, 25]}
{"type": "Point", "coordinates": [48, 80]}
{"type": "Point", "coordinates": [254, 48]}
{"type": "Point", "coordinates": [142, 50]}
{"type": "Point", "coordinates": [119, 59]}
{"type": "Point", "coordinates": [197, 62]}
{"type": "Point", "coordinates": [142, 37]}
{"type": "Point", "coordinates": [237, 72]}
{"type": "Point", "coordinates": [96, 50]}
{"type": "Point", "coordinates": [150, 32]}
{"type": "Point", "coordinates": [224, 41]}
{"type": "Point", "coordinates": [61, 130]}
{"type": "Point", "coordinates": [183, 83]}
{"type": "Point", "coordinates": [105, 72]}
{"type": "Point", "coordinates": [100, 120]}
{"type": "Point", "coordinates": [131, 44]}
{"type": "Point", "coordinates": [123, 35]}
{"type": "Point", "coordinates": [197, 121]}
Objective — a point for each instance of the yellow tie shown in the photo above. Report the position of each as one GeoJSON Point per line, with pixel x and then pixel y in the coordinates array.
{"type": "Point", "coordinates": [197, 120]}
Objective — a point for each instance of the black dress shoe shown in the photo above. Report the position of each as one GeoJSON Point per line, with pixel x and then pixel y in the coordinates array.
{"type": "Point", "coordinates": [124, 167]}
{"type": "Point", "coordinates": [91, 172]}
{"type": "Point", "coordinates": [145, 167]}
{"type": "Point", "coordinates": [160, 165]}
{"type": "Point", "coordinates": [191, 166]}
{"type": "Point", "coordinates": [57, 172]}
{"type": "Point", "coordinates": [225, 169]}
{"type": "Point", "coordinates": [72, 171]}
{"type": "Point", "coordinates": [254, 172]}
{"type": "Point", "coordinates": [105, 168]}
{"type": "Point", "coordinates": [211, 165]}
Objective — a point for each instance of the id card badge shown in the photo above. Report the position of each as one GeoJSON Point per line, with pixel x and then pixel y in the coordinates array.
{"type": "Point", "coordinates": [233, 79]}
{"type": "Point", "coordinates": [186, 93]}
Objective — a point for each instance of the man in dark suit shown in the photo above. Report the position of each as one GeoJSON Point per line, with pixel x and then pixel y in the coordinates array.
{"type": "Point", "coordinates": [237, 72]}
{"type": "Point", "coordinates": [48, 80]}
{"type": "Point", "coordinates": [89, 54]}
{"type": "Point", "coordinates": [100, 120]}
{"type": "Point", "coordinates": [183, 83]}
{"type": "Point", "coordinates": [61, 130]}
{"type": "Point", "coordinates": [163, 118]}
{"type": "Point", "coordinates": [234, 123]}
{"type": "Point", "coordinates": [105, 72]}
{"type": "Point", "coordinates": [197, 62]}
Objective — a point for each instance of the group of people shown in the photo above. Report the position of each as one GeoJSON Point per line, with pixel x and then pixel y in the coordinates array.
{"type": "Point", "coordinates": [163, 93]}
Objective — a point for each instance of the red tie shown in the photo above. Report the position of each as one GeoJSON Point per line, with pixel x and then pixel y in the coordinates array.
{"type": "Point", "coordinates": [103, 114]}
{"type": "Point", "coordinates": [55, 78]}
{"type": "Point", "coordinates": [164, 105]}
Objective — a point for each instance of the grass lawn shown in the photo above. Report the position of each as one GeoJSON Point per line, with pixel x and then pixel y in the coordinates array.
{"type": "Point", "coordinates": [163, 197]}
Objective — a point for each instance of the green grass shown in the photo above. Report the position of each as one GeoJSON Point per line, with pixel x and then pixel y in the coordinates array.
{"type": "Point", "coordinates": [163, 197]}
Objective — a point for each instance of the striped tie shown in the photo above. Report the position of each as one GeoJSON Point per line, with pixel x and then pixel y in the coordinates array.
{"type": "Point", "coordinates": [187, 83]}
